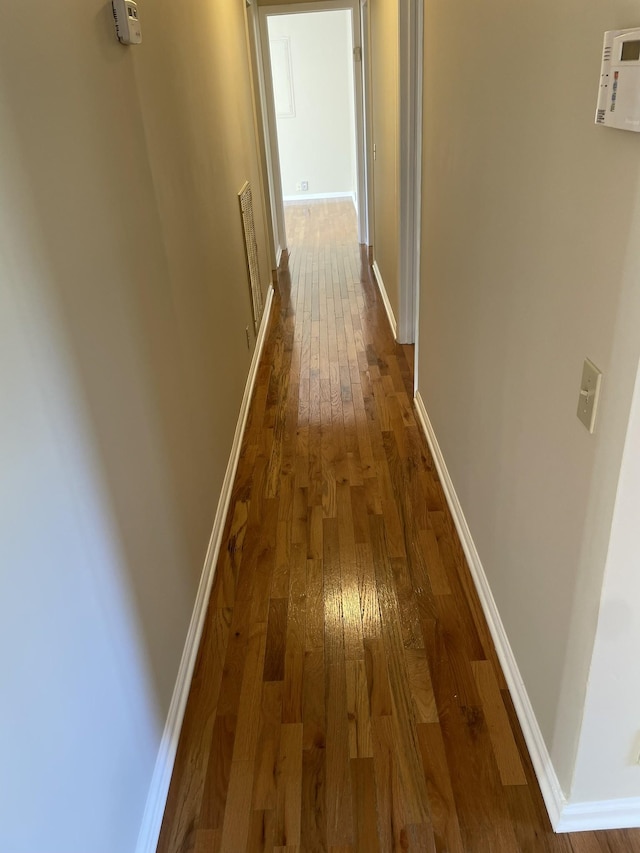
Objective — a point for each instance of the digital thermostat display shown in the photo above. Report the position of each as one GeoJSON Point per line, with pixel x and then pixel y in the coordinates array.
{"type": "Point", "coordinates": [630, 51]}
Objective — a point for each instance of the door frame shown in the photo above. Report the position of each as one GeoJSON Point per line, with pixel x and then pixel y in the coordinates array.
{"type": "Point", "coordinates": [269, 111]}
{"type": "Point", "coordinates": [255, 57]}
{"type": "Point", "coordinates": [365, 36]}
{"type": "Point", "coordinates": [410, 28]}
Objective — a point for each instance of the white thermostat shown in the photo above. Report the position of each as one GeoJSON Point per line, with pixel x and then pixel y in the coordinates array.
{"type": "Point", "coordinates": [125, 15]}
{"type": "Point", "coordinates": [619, 95]}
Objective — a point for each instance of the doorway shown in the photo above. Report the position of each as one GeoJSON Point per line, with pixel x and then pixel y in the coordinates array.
{"type": "Point", "coordinates": [312, 84]}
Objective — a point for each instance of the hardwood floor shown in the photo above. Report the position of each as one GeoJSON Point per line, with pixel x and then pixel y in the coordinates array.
{"type": "Point", "coordinates": [347, 695]}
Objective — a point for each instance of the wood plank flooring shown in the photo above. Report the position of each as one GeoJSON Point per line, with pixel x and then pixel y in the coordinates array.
{"type": "Point", "coordinates": [347, 695]}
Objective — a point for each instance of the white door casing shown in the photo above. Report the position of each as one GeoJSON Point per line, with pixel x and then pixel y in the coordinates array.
{"type": "Point", "coordinates": [410, 23]}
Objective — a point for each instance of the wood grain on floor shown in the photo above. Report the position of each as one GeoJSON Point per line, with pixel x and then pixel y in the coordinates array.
{"type": "Point", "coordinates": [347, 696]}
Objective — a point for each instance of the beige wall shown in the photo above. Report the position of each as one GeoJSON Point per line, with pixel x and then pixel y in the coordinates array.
{"type": "Point", "coordinates": [385, 109]}
{"type": "Point", "coordinates": [124, 307]}
{"type": "Point", "coordinates": [530, 263]}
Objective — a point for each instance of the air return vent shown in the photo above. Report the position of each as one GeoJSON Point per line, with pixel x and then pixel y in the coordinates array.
{"type": "Point", "coordinates": [251, 251]}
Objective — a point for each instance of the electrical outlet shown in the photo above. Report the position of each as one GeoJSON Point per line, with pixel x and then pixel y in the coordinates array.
{"type": "Point", "coordinates": [248, 338]}
{"type": "Point", "coordinates": [304, 185]}
{"type": "Point", "coordinates": [589, 393]}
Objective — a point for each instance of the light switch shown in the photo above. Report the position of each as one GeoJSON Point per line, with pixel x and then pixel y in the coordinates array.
{"type": "Point", "coordinates": [589, 393]}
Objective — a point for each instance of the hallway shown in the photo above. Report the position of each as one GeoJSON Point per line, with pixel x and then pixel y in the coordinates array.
{"type": "Point", "coordinates": [347, 695]}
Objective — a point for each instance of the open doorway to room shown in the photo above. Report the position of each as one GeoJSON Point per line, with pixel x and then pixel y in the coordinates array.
{"type": "Point", "coordinates": [312, 72]}
{"type": "Point", "coordinates": [313, 88]}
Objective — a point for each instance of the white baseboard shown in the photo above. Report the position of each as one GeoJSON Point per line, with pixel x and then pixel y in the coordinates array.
{"type": "Point", "coordinates": [385, 299]}
{"type": "Point", "coordinates": [608, 814]}
{"type": "Point", "coordinates": [552, 793]}
{"type": "Point", "coordinates": [318, 196]}
{"type": "Point", "coordinates": [159, 788]}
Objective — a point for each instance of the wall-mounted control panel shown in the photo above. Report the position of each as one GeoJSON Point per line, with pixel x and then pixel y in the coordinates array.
{"type": "Point", "coordinates": [619, 93]}
{"type": "Point", "coordinates": [125, 15]}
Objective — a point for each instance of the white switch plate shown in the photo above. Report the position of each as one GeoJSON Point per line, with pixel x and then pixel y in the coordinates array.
{"type": "Point", "coordinates": [589, 393]}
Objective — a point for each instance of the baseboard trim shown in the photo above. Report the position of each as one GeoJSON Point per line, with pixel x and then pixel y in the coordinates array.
{"type": "Point", "coordinates": [552, 793]}
{"type": "Point", "coordinates": [318, 196]}
{"type": "Point", "coordinates": [607, 814]}
{"type": "Point", "coordinates": [385, 299]}
{"type": "Point", "coordinates": [161, 779]}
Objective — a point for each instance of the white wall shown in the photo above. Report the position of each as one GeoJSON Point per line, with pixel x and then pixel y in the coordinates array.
{"type": "Point", "coordinates": [530, 264]}
{"type": "Point", "coordinates": [123, 307]}
{"type": "Point", "coordinates": [316, 143]}
{"type": "Point", "coordinates": [609, 750]}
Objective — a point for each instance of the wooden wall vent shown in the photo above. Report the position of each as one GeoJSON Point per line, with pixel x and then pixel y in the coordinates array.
{"type": "Point", "coordinates": [251, 252]}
